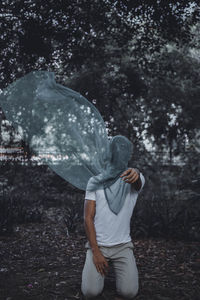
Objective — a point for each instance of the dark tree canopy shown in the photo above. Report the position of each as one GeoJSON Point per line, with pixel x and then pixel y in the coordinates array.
{"type": "Point", "coordinates": [137, 61]}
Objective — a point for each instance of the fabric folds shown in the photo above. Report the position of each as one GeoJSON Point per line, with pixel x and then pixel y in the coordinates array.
{"type": "Point", "coordinates": [57, 121]}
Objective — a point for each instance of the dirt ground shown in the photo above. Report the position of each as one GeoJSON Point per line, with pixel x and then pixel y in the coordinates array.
{"type": "Point", "coordinates": [41, 261]}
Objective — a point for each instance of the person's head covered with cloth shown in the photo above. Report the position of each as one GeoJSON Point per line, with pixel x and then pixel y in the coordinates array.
{"type": "Point", "coordinates": [115, 189]}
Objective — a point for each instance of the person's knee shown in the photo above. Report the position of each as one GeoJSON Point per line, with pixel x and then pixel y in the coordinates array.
{"type": "Point", "coordinates": [128, 293]}
{"type": "Point", "coordinates": [91, 292]}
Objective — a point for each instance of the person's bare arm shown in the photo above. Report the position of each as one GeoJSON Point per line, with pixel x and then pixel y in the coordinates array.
{"type": "Point", "coordinates": [132, 176]}
{"type": "Point", "coordinates": [89, 214]}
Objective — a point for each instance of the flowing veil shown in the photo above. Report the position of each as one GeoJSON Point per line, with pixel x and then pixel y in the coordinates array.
{"type": "Point", "coordinates": [56, 119]}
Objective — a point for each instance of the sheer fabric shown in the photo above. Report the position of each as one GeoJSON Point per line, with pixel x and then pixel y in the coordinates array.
{"type": "Point", "coordinates": [57, 120]}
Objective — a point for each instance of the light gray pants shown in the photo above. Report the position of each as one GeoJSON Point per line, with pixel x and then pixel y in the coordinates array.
{"type": "Point", "coordinates": [124, 264]}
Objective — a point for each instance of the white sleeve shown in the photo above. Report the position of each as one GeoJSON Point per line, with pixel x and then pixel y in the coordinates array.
{"type": "Point", "coordinates": [90, 195]}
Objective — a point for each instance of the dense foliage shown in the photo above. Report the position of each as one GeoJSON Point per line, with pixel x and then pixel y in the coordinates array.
{"type": "Point", "coordinates": [138, 62]}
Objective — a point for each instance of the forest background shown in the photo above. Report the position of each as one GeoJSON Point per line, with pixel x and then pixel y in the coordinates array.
{"type": "Point", "coordinates": [139, 65]}
{"type": "Point", "coordinates": [138, 62]}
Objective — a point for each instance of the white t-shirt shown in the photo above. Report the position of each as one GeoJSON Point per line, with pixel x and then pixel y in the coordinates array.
{"type": "Point", "coordinates": [112, 229]}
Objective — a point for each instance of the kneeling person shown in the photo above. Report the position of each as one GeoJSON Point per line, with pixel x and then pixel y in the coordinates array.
{"type": "Point", "coordinates": [109, 239]}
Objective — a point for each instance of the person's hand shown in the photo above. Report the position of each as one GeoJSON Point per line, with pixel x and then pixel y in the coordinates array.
{"type": "Point", "coordinates": [100, 262]}
{"type": "Point", "coordinates": [130, 175]}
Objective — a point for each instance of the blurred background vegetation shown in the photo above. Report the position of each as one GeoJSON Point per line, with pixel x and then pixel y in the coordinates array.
{"type": "Point", "coordinates": [138, 62]}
